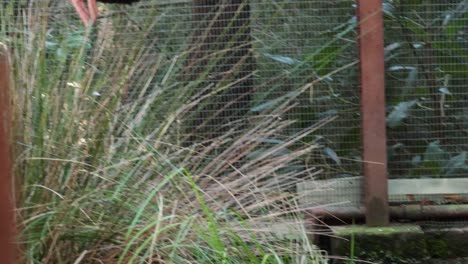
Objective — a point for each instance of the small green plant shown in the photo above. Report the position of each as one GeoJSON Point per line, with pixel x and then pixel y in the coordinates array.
{"type": "Point", "coordinates": [352, 247]}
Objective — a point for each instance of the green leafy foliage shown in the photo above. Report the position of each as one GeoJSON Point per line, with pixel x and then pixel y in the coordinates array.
{"type": "Point", "coordinates": [426, 73]}
{"type": "Point", "coordinates": [332, 155]}
{"type": "Point", "coordinates": [399, 113]}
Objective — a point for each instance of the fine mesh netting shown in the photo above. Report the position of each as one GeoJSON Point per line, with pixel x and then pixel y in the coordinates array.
{"type": "Point", "coordinates": [228, 61]}
{"type": "Point", "coordinates": [427, 55]}
{"type": "Point", "coordinates": [178, 116]}
{"type": "Point", "coordinates": [426, 91]}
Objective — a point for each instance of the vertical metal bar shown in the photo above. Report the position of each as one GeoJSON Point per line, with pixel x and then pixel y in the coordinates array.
{"type": "Point", "coordinates": [371, 52]}
{"type": "Point", "coordinates": [7, 227]}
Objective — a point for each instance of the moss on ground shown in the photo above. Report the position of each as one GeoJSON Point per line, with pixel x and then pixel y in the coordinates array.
{"type": "Point", "coordinates": [405, 244]}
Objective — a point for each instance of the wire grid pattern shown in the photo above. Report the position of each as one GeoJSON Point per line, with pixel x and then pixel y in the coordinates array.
{"type": "Point", "coordinates": [427, 88]}
{"type": "Point", "coordinates": [318, 37]}
{"type": "Point", "coordinates": [438, 225]}
{"type": "Point", "coordinates": [234, 58]}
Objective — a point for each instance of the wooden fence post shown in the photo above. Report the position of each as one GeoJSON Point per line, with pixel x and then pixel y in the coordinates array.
{"type": "Point", "coordinates": [7, 225]}
{"type": "Point", "coordinates": [371, 53]}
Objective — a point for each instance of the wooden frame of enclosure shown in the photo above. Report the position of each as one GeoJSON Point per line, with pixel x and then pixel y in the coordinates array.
{"type": "Point", "coordinates": [7, 224]}
{"type": "Point", "coordinates": [371, 48]}
{"type": "Point", "coordinates": [383, 198]}
{"type": "Point", "coordinates": [373, 128]}
{"type": "Point", "coordinates": [371, 57]}
{"type": "Point", "coordinates": [375, 208]}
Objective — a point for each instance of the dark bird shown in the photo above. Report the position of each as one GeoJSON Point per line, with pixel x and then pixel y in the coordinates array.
{"type": "Point", "coordinates": [89, 13]}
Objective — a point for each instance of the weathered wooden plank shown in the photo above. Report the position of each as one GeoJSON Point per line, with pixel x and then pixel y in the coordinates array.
{"type": "Point", "coordinates": [7, 226]}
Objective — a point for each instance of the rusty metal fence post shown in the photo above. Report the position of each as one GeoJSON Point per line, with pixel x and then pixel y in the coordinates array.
{"type": "Point", "coordinates": [371, 52]}
{"type": "Point", "coordinates": [7, 227]}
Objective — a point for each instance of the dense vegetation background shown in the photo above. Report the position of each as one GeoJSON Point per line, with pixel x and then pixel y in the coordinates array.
{"type": "Point", "coordinates": [122, 152]}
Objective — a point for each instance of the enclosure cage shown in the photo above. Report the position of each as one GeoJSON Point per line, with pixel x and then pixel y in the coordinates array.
{"type": "Point", "coordinates": [232, 61]}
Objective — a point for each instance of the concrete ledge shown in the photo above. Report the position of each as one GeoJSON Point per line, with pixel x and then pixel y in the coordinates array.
{"type": "Point", "coordinates": [399, 243]}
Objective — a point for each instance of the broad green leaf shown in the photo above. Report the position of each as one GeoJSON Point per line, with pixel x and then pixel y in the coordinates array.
{"type": "Point", "coordinates": [434, 153]}
{"type": "Point", "coordinates": [391, 47]}
{"type": "Point", "coordinates": [455, 164]}
{"type": "Point", "coordinates": [399, 113]}
{"type": "Point", "coordinates": [412, 77]}
{"type": "Point", "coordinates": [327, 113]}
{"type": "Point", "coordinates": [388, 8]}
{"type": "Point", "coordinates": [416, 160]}
{"type": "Point", "coordinates": [282, 59]}
{"type": "Point", "coordinates": [445, 90]}
{"type": "Point", "coordinates": [265, 105]}
{"type": "Point", "coordinates": [332, 155]}
{"type": "Point", "coordinates": [273, 102]}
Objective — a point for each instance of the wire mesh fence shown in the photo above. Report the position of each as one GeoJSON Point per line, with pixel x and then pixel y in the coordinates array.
{"type": "Point", "coordinates": [234, 58]}
{"type": "Point", "coordinates": [227, 61]}
{"type": "Point", "coordinates": [189, 76]}
{"type": "Point", "coordinates": [426, 88]}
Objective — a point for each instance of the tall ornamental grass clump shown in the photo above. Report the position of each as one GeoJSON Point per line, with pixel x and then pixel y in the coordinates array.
{"type": "Point", "coordinates": [106, 172]}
